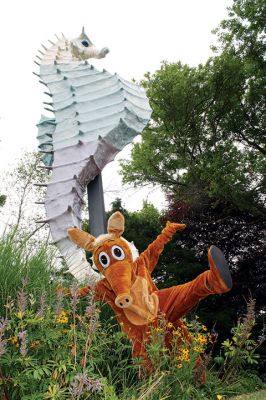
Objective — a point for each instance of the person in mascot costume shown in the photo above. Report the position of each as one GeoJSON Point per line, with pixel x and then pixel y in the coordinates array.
{"type": "Point", "coordinates": [128, 288]}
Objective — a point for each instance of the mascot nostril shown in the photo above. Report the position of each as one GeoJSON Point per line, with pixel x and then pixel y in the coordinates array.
{"type": "Point", "coordinates": [123, 301]}
{"type": "Point", "coordinates": [128, 288]}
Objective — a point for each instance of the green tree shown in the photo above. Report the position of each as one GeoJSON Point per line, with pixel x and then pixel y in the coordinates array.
{"type": "Point", "coordinates": [2, 200]}
{"type": "Point", "coordinates": [22, 193]}
{"type": "Point", "coordinates": [206, 141]}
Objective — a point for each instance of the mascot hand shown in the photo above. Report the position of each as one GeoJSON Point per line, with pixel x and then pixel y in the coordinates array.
{"type": "Point", "coordinates": [172, 227]}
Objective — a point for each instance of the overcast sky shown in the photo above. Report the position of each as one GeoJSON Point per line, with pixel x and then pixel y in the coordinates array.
{"type": "Point", "coordinates": [140, 34]}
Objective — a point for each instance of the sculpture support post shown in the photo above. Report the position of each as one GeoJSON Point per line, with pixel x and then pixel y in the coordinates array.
{"type": "Point", "coordinates": [96, 206]}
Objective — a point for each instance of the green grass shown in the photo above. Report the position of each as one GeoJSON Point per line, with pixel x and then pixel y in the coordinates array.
{"type": "Point", "coordinates": [19, 260]}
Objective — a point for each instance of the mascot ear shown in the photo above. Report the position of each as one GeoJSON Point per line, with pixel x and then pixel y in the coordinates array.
{"type": "Point", "coordinates": [81, 238]}
{"type": "Point", "coordinates": [116, 224]}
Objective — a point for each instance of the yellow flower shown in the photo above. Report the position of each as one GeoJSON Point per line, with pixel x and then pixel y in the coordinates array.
{"type": "Point", "coordinates": [185, 351]}
{"type": "Point", "coordinates": [219, 397]}
{"type": "Point", "coordinates": [159, 329]}
{"type": "Point", "coordinates": [169, 325]}
{"type": "Point", "coordinates": [179, 365]}
{"type": "Point", "coordinates": [177, 333]}
{"type": "Point", "coordinates": [121, 323]}
{"type": "Point", "coordinates": [198, 349]}
{"type": "Point", "coordinates": [35, 344]}
{"type": "Point", "coordinates": [61, 319]}
{"type": "Point", "coordinates": [203, 341]}
{"type": "Point", "coordinates": [13, 339]}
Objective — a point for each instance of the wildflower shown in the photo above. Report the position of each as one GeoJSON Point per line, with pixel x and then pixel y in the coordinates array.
{"type": "Point", "coordinates": [32, 300]}
{"type": "Point", "coordinates": [10, 304]}
{"type": "Point", "coordinates": [179, 365]}
{"type": "Point", "coordinates": [13, 339]}
{"type": "Point", "coordinates": [83, 383]}
{"type": "Point", "coordinates": [22, 299]}
{"type": "Point", "coordinates": [23, 343]}
{"type": "Point", "coordinates": [121, 324]}
{"type": "Point", "coordinates": [185, 351]}
{"type": "Point", "coordinates": [59, 301]}
{"type": "Point", "coordinates": [62, 318]}
{"type": "Point", "coordinates": [34, 344]}
{"type": "Point", "coordinates": [74, 297]}
{"type": "Point", "coordinates": [90, 310]}
{"type": "Point", "coordinates": [176, 332]}
{"type": "Point", "coordinates": [219, 397]}
{"type": "Point", "coordinates": [3, 326]}
{"type": "Point", "coordinates": [203, 340]}
{"type": "Point", "coordinates": [159, 329]}
{"type": "Point", "coordinates": [204, 327]}
{"type": "Point", "coordinates": [169, 325]}
{"type": "Point", "coordinates": [198, 349]}
{"type": "Point", "coordinates": [42, 305]}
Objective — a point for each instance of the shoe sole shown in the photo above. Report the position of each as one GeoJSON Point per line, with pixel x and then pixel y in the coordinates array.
{"type": "Point", "coordinates": [222, 266]}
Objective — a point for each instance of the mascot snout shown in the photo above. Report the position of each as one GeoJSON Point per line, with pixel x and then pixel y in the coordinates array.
{"type": "Point", "coordinates": [119, 276]}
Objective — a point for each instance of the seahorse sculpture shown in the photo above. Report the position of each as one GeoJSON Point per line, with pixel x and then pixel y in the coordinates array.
{"type": "Point", "coordinates": [95, 115]}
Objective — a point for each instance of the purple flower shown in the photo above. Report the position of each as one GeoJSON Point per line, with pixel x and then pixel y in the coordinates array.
{"type": "Point", "coordinates": [74, 297]}
{"type": "Point", "coordinates": [42, 305]}
{"type": "Point", "coordinates": [23, 343]}
{"type": "Point", "coordinates": [3, 326]}
{"type": "Point", "coordinates": [83, 383]}
{"type": "Point", "coordinates": [59, 302]}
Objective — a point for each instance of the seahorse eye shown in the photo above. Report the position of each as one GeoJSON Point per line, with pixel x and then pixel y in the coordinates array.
{"type": "Point", "coordinates": [104, 259]}
{"type": "Point", "coordinates": [85, 43]}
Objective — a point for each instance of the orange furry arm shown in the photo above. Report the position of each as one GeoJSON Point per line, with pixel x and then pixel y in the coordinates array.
{"type": "Point", "coordinates": [153, 251]}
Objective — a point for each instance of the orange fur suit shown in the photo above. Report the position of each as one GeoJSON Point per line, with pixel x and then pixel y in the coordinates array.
{"type": "Point", "coordinates": [128, 288]}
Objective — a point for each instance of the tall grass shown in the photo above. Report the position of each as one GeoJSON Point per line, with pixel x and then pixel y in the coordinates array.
{"type": "Point", "coordinates": [24, 261]}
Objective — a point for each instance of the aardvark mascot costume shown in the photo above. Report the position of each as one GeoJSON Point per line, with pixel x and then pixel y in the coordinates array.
{"type": "Point", "coordinates": [128, 288]}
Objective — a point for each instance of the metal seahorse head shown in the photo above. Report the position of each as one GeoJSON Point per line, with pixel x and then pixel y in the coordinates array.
{"type": "Point", "coordinates": [83, 49]}
{"type": "Point", "coordinates": [96, 114]}
{"type": "Point", "coordinates": [78, 49]}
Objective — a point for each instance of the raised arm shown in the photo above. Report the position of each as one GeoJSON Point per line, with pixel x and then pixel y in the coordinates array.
{"type": "Point", "coordinates": [153, 251]}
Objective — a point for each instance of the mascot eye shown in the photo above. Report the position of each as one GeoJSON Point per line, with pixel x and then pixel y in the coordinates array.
{"type": "Point", "coordinates": [104, 259]}
{"type": "Point", "coordinates": [85, 43]}
{"type": "Point", "coordinates": [118, 253]}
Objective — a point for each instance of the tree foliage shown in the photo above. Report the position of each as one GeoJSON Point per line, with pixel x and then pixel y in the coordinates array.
{"type": "Point", "coordinates": [206, 142]}
{"type": "Point", "coordinates": [2, 200]}
{"type": "Point", "coordinates": [20, 209]}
